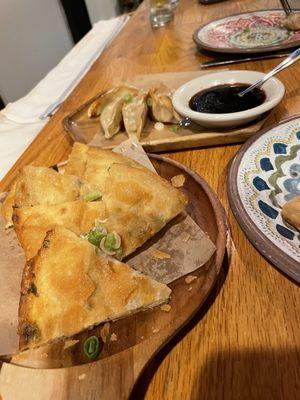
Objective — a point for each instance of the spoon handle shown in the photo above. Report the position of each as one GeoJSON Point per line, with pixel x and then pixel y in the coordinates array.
{"type": "Point", "coordinates": [291, 59]}
{"type": "Point", "coordinates": [286, 7]}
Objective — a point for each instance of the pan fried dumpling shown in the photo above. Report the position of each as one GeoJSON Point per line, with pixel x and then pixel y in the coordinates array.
{"type": "Point", "coordinates": [161, 107]}
{"type": "Point", "coordinates": [135, 114]}
{"type": "Point", "coordinates": [111, 117]}
{"type": "Point", "coordinates": [98, 105]}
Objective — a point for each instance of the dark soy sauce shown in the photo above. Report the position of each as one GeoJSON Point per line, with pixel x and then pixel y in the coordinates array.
{"type": "Point", "coordinates": [224, 99]}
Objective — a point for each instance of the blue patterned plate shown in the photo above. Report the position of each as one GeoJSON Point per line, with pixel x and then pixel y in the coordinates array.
{"type": "Point", "coordinates": [263, 176]}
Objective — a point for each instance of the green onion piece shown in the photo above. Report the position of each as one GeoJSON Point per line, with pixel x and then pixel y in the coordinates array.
{"type": "Point", "coordinates": [92, 196]}
{"type": "Point", "coordinates": [149, 102]}
{"type": "Point", "coordinates": [112, 242]}
{"type": "Point", "coordinates": [119, 253]}
{"type": "Point", "coordinates": [128, 98]}
{"type": "Point", "coordinates": [95, 236]}
{"type": "Point", "coordinates": [91, 347]}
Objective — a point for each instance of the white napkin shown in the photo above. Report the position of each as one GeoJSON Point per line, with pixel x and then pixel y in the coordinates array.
{"type": "Point", "coordinates": [46, 96]}
{"type": "Point", "coordinates": [21, 121]}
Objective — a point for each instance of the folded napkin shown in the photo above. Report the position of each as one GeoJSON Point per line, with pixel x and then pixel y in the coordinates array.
{"type": "Point", "coordinates": [47, 95]}
{"type": "Point", "coordinates": [21, 121]}
{"type": "Point", "coordinates": [14, 138]}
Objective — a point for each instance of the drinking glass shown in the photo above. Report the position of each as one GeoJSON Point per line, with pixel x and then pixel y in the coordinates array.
{"type": "Point", "coordinates": [161, 12]}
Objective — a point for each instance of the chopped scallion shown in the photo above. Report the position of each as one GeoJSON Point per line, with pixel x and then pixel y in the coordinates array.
{"type": "Point", "coordinates": [91, 347]}
{"type": "Point", "coordinates": [92, 196]}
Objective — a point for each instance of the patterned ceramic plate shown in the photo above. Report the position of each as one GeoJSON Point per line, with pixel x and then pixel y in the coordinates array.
{"type": "Point", "coordinates": [254, 32]}
{"type": "Point", "coordinates": [263, 176]}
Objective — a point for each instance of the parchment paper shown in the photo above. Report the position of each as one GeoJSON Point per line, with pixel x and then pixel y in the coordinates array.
{"type": "Point", "coordinates": [186, 245]}
{"type": "Point", "coordinates": [185, 255]}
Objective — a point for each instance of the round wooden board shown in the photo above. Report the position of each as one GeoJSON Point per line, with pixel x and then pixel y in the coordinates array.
{"type": "Point", "coordinates": [140, 336]}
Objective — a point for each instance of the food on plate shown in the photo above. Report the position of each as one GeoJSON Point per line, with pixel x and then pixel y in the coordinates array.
{"type": "Point", "coordinates": [128, 106]}
{"type": "Point", "coordinates": [161, 107]}
{"type": "Point", "coordinates": [75, 227]}
{"type": "Point", "coordinates": [83, 157]}
{"type": "Point", "coordinates": [291, 212]}
{"type": "Point", "coordinates": [98, 105]}
{"type": "Point", "coordinates": [133, 195]}
{"type": "Point", "coordinates": [111, 117]}
{"type": "Point", "coordinates": [115, 203]}
{"type": "Point", "coordinates": [7, 206]}
{"type": "Point", "coordinates": [292, 21]}
{"type": "Point", "coordinates": [117, 218]}
{"type": "Point", "coordinates": [41, 185]}
{"type": "Point", "coordinates": [69, 287]}
{"type": "Point", "coordinates": [134, 113]}
{"type": "Point", "coordinates": [32, 223]}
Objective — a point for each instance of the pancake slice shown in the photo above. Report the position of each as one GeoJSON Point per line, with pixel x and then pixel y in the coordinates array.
{"type": "Point", "coordinates": [139, 203]}
{"type": "Point", "coordinates": [32, 223]}
{"type": "Point", "coordinates": [7, 206]}
{"type": "Point", "coordinates": [40, 185]}
{"type": "Point", "coordinates": [68, 287]}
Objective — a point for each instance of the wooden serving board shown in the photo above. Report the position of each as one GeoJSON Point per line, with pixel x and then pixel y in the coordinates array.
{"type": "Point", "coordinates": [139, 337]}
{"type": "Point", "coordinates": [172, 137]}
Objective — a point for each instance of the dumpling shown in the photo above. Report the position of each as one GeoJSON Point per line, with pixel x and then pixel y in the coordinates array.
{"type": "Point", "coordinates": [161, 107]}
{"type": "Point", "coordinates": [135, 114]}
{"type": "Point", "coordinates": [98, 105]}
{"type": "Point", "coordinates": [111, 117]}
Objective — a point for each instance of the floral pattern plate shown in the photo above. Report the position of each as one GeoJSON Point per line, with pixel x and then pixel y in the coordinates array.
{"type": "Point", "coordinates": [253, 32]}
{"type": "Point", "coordinates": [263, 176]}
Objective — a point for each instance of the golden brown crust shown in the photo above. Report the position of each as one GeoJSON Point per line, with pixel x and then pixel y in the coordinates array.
{"type": "Point", "coordinates": [27, 329]}
{"type": "Point", "coordinates": [67, 287]}
{"type": "Point", "coordinates": [40, 185]}
{"type": "Point", "coordinates": [32, 223]}
{"type": "Point", "coordinates": [139, 202]}
{"type": "Point", "coordinates": [7, 205]}
{"type": "Point", "coordinates": [77, 160]}
{"type": "Point", "coordinates": [291, 212]}
{"type": "Point", "coordinates": [95, 159]}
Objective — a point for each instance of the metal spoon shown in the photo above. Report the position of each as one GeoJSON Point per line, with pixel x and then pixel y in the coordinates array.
{"type": "Point", "coordinates": [286, 7]}
{"type": "Point", "coordinates": [291, 59]}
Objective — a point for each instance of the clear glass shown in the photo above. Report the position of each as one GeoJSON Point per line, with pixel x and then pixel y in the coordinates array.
{"type": "Point", "coordinates": [161, 12]}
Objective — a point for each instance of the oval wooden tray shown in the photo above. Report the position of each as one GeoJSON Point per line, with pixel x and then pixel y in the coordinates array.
{"type": "Point", "coordinates": [139, 337]}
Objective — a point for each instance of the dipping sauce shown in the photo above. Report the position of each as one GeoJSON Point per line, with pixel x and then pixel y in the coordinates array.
{"type": "Point", "coordinates": [224, 99]}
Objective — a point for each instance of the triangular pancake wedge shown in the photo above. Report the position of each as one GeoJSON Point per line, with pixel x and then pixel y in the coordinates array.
{"type": "Point", "coordinates": [68, 287]}
{"type": "Point", "coordinates": [39, 186]}
{"type": "Point", "coordinates": [32, 223]}
{"type": "Point", "coordinates": [139, 203]}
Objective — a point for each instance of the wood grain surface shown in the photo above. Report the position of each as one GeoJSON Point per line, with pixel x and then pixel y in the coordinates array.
{"type": "Point", "coordinates": [245, 344]}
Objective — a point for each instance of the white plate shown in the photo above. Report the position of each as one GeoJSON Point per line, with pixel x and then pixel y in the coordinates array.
{"type": "Point", "coordinates": [273, 88]}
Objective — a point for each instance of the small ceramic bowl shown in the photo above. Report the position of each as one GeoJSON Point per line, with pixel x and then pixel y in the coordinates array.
{"type": "Point", "coordinates": [273, 89]}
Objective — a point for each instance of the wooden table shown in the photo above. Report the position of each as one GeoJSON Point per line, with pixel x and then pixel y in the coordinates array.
{"type": "Point", "coordinates": [246, 345]}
